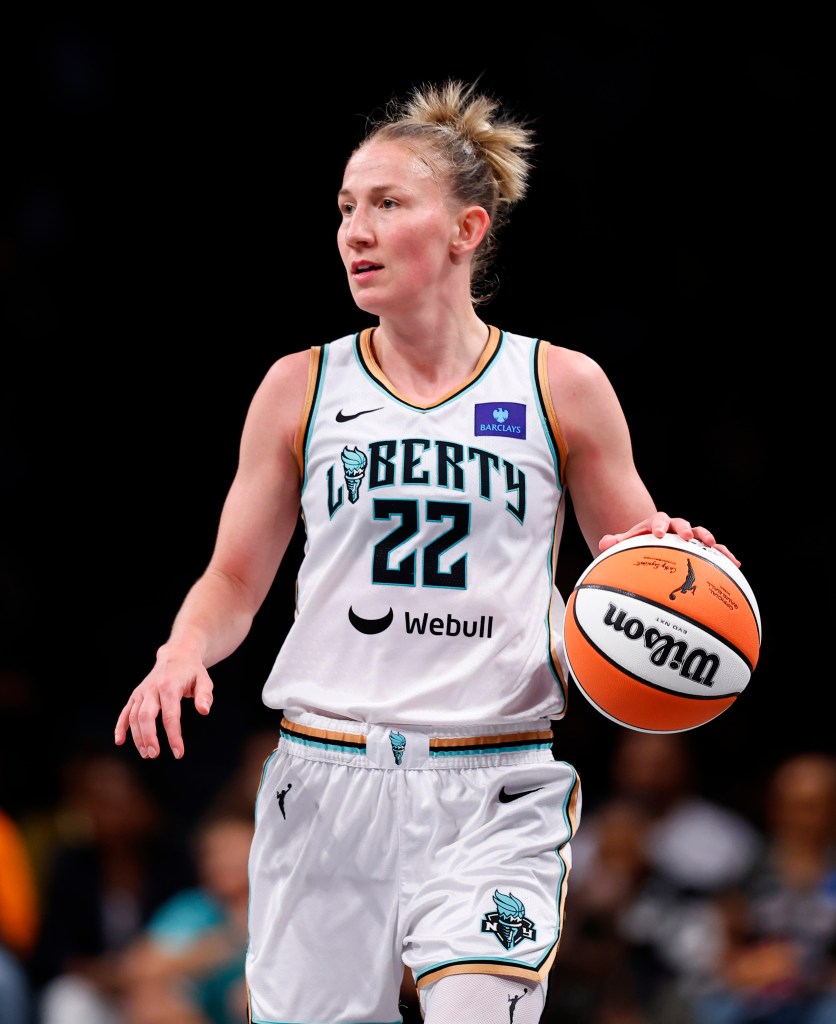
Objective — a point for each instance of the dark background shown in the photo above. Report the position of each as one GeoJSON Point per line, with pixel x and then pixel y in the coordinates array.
{"type": "Point", "coordinates": [168, 230]}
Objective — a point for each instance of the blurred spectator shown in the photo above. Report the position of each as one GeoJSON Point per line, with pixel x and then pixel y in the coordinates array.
{"type": "Point", "coordinates": [59, 823]}
{"type": "Point", "coordinates": [18, 923]}
{"type": "Point", "coordinates": [776, 963]}
{"type": "Point", "coordinates": [188, 967]}
{"type": "Point", "coordinates": [113, 863]}
{"type": "Point", "coordinates": [647, 862]}
{"type": "Point", "coordinates": [237, 795]}
{"type": "Point", "coordinates": [695, 843]}
{"type": "Point", "coordinates": [593, 978]}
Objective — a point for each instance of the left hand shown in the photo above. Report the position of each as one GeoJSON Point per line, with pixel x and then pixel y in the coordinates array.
{"type": "Point", "coordinates": [661, 523]}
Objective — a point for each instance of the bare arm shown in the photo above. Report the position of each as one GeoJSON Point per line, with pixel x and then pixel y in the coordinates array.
{"type": "Point", "coordinates": [259, 516]}
{"type": "Point", "coordinates": [610, 500]}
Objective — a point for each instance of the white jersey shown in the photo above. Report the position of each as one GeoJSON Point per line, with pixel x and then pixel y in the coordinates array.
{"type": "Point", "coordinates": [426, 593]}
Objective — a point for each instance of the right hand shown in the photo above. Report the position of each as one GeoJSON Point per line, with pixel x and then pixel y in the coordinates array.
{"type": "Point", "coordinates": [171, 680]}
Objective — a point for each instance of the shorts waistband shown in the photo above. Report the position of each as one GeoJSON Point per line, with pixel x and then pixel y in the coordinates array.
{"type": "Point", "coordinates": [398, 746]}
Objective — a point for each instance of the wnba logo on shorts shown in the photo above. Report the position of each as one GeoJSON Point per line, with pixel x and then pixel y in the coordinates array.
{"type": "Point", "coordinates": [508, 922]}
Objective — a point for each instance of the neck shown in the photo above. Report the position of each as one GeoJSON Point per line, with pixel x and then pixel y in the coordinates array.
{"type": "Point", "coordinates": [428, 363]}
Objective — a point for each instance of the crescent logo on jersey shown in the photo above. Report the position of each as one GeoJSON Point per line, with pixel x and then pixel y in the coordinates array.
{"type": "Point", "coordinates": [481, 628]}
{"type": "Point", "coordinates": [370, 626]}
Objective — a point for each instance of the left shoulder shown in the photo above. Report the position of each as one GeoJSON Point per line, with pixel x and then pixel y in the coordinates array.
{"type": "Point", "coordinates": [574, 374]}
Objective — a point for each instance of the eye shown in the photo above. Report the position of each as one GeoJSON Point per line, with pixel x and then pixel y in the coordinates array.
{"type": "Point", "coordinates": [346, 209]}
{"type": "Point", "coordinates": [388, 204]}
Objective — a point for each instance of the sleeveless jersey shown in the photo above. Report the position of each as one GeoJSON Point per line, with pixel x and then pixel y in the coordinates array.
{"type": "Point", "coordinates": [426, 592]}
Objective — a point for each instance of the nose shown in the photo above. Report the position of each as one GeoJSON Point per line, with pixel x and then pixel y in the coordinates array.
{"type": "Point", "coordinates": [357, 229]}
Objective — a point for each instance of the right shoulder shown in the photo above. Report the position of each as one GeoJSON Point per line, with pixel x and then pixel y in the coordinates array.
{"type": "Point", "coordinates": [289, 374]}
{"type": "Point", "coordinates": [277, 406]}
{"type": "Point", "coordinates": [288, 388]}
{"type": "Point", "coordinates": [294, 373]}
{"type": "Point", "coordinates": [292, 380]}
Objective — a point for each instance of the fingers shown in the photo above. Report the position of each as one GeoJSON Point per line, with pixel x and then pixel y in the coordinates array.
{"type": "Point", "coordinates": [681, 527]}
{"type": "Point", "coordinates": [661, 523]}
{"type": "Point", "coordinates": [727, 553]}
{"type": "Point", "coordinates": [707, 537]}
{"type": "Point", "coordinates": [160, 697]}
{"type": "Point", "coordinates": [203, 691]}
{"type": "Point", "coordinates": [656, 524]}
{"type": "Point", "coordinates": [144, 708]}
{"type": "Point", "coordinates": [169, 710]}
{"type": "Point", "coordinates": [140, 716]}
{"type": "Point", "coordinates": [121, 731]}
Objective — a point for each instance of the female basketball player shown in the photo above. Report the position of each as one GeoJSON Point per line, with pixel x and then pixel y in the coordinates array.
{"type": "Point", "coordinates": [413, 811]}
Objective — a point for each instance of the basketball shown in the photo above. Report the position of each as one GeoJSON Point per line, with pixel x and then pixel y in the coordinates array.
{"type": "Point", "coordinates": [662, 634]}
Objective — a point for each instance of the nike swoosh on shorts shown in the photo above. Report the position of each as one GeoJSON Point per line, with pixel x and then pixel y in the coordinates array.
{"type": "Point", "coordinates": [506, 798]}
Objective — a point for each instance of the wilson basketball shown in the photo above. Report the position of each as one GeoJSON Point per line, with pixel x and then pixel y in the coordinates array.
{"type": "Point", "coordinates": [662, 634]}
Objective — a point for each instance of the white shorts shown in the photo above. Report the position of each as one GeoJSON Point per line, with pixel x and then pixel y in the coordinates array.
{"type": "Point", "coordinates": [377, 846]}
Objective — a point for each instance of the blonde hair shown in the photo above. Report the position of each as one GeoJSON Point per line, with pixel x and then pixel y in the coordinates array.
{"type": "Point", "coordinates": [478, 151]}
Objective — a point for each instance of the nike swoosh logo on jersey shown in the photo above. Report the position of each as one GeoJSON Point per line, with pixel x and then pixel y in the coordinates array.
{"type": "Point", "coordinates": [506, 798]}
{"type": "Point", "coordinates": [344, 418]}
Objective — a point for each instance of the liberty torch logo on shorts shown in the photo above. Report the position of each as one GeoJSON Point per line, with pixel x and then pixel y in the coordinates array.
{"type": "Point", "coordinates": [508, 922]}
{"type": "Point", "coordinates": [398, 741]}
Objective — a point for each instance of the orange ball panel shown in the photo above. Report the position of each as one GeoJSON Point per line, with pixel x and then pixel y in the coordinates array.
{"type": "Point", "coordinates": [657, 573]}
{"type": "Point", "coordinates": [631, 702]}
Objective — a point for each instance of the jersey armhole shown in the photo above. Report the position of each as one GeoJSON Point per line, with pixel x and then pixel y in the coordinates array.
{"type": "Point", "coordinates": [548, 406]}
{"type": "Point", "coordinates": [315, 365]}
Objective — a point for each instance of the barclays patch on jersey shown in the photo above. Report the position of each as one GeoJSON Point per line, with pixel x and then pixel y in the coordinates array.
{"type": "Point", "coordinates": [502, 419]}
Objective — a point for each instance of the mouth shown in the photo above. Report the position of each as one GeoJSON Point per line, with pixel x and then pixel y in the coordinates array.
{"type": "Point", "coordinates": [361, 267]}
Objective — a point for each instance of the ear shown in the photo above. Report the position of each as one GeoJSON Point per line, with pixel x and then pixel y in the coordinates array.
{"type": "Point", "coordinates": [471, 227]}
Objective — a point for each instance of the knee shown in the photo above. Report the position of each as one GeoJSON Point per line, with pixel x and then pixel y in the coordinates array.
{"type": "Point", "coordinates": [475, 998]}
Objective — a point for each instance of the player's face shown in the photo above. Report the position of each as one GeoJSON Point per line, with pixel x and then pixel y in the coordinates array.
{"type": "Point", "coordinates": [395, 230]}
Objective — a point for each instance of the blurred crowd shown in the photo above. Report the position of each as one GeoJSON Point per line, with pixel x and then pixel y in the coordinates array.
{"type": "Point", "coordinates": [681, 909]}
